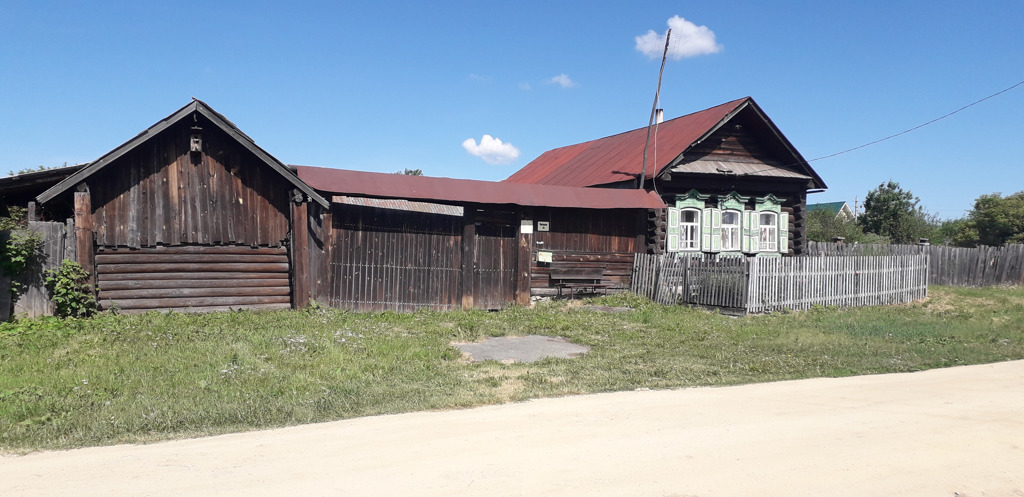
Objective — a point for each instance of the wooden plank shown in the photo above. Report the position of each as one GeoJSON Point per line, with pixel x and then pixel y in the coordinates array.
{"type": "Point", "coordinates": [157, 293]}
{"type": "Point", "coordinates": [468, 270]}
{"type": "Point", "coordinates": [212, 308]}
{"type": "Point", "coordinates": [157, 257]}
{"type": "Point", "coordinates": [83, 232]}
{"type": "Point", "coordinates": [214, 267]}
{"type": "Point", "coordinates": [148, 283]}
{"type": "Point", "coordinates": [185, 302]}
{"type": "Point", "coordinates": [300, 255]}
{"type": "Point", "coordinates": [199, 275]}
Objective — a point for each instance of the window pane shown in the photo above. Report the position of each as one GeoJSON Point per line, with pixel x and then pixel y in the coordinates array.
{"type": "Point", "coordinates": [689, 216]}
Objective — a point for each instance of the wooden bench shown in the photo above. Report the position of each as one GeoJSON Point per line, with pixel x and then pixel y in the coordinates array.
{"type": "Point", "coordinates": [581, 278]}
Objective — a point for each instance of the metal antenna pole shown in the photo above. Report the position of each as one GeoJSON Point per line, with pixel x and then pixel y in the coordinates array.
{"type": "Point", "coordinates": [654, 108]}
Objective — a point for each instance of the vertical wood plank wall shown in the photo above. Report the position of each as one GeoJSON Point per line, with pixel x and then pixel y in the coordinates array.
{"type": "Point", "coordinates": [386, 259]}
{"type": "Point", "coordinates": [160, 194]}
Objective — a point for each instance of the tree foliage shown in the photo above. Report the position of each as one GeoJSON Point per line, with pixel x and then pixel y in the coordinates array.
{"type": "Point", "coordinates": [994, 221]}
{"type": "Point", "coordinates": [893, 212]}
{"type": "Point", "coordinates": [824, 226]}
{"type": "Point", "coordinates": [410, 172]}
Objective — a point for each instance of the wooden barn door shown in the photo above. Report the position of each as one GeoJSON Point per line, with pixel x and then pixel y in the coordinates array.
{"type": "Point", "coordinates": [193, 278]}
{"type": "Point", "coordinates": [494, 265]}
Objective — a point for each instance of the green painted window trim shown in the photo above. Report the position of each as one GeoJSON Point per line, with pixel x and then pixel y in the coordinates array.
{"type": "Point", "coordinates": [733, 202]}
{"type": "Point", "coordinates": [692, 199]}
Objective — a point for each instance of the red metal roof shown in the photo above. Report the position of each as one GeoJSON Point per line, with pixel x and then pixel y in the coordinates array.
{"type": "Point", "coordinates": [620, 157]}
{"type": "Point", "coordinates": [463, 191]}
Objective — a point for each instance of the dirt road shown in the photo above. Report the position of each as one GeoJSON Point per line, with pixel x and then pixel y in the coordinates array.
{"type": "Point", "coordinates": [957, 431]}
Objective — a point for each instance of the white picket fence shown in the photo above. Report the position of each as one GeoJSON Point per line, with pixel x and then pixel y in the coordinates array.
{"type": "Point", "coordinates": [757, 285]}
{"type": "Point", "coordinates": [803, 282]}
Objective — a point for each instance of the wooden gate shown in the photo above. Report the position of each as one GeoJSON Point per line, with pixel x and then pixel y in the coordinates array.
{"type": "Point", "coordinates": [392, 259]}
{"type": "Point", "coordinates": [494, 266]}
{"type": "Point", "coordinates": [193, 278]}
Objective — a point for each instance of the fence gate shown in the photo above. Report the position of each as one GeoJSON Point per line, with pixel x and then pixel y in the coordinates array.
{"type": "Point", "coordinates": [494, 265]}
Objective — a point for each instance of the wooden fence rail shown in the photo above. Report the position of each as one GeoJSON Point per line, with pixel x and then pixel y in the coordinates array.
{"type": "Point", "coordinates": [766, 284]}
{"type": "Point", "coordinates": [957, 266]}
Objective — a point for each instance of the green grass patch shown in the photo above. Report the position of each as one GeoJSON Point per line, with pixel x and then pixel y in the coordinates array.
{"type": "Point", "coordinates": [141, 378]}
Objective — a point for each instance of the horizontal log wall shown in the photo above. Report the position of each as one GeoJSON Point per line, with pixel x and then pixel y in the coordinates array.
{"type": "Point", "coordinates": [588, 238]}
{"type": "Point", "coordinates": [193, 278]}
{"type": "Point", "coordinates": [161, 194]}
{"type": "Point", "coordinates": [617, 270]}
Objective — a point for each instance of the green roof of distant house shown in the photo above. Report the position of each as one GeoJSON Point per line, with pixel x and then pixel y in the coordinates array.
{"type": "Point", "coordinates": [833, 207]}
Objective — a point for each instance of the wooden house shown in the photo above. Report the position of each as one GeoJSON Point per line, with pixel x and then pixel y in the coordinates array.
{"type": "Point", "coordinates": [192, 215]}
{"type": "Point", "coordinates": [733, 183]}
{"type": "Point", "coordinates": [838, 210]}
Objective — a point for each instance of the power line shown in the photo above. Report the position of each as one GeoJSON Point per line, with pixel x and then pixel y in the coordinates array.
{"type": "Point", "coordinates": [937, 119]}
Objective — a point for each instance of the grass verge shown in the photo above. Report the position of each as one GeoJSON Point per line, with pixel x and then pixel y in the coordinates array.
{"type": "Point", "coordinates": [142, 378]}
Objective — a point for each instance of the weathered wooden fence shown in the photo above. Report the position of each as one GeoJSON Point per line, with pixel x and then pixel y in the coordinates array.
{"type": "Point", "coordinates": [691, 279]}
{"type": "Point", "coordinates": [957, 266]}
{"type": "Point", "coordinates": [854, 281]}
{"type": "Point", "coordinates": [765, 284]}
{"type": "Point", "coordinates": [34, 300]}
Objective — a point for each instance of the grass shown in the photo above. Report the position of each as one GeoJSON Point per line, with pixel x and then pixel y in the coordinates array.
{"type": "Point", "coordinates": [142, 378]}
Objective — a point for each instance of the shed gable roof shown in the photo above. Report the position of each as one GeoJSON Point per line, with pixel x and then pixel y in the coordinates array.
{"type": "Point", "coordinates": [196, 106]}
{"type": "Point", "coordinates": [619, 158]}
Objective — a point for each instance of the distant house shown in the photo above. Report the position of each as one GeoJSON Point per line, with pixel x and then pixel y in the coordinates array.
{"type": "Point", "coordinates": [837, 209]}
{"type": "Point", "coordinates": [731, 180]}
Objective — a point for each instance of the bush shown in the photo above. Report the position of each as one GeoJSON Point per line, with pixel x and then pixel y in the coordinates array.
{"type": "Point", "coordinates": [70, 293]}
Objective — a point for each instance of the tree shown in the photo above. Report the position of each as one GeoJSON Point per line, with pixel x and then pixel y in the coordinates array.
{"type": "Point", "coordinates": [894, 213]}
{"type": "Point", "coordinates": [411, 172]}
{"type": "Point", "coordinates": [995, 221]}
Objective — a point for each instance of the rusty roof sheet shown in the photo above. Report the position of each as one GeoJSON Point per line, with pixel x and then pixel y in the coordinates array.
{"type": "Point", "coordinates": [737, 168]}
{"type": "Point", "coordinates": [620, 157]}
{"type": "Point", "coordinates": [465, 191]}
{"type": "Point", "coordinates": [400, 205]}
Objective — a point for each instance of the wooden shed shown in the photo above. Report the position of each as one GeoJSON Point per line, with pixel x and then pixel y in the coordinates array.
{"type": "Point", "coordinates": [402, 242]}
{"type": "Point", "coordinates": [190, 213]}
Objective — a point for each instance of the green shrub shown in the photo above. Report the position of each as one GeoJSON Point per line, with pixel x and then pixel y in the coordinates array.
{"type": "Point", "coordinates": [70, 293]}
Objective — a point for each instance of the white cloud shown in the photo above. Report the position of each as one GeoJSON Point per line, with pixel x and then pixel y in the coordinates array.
{"type": "Point", "coordinates": [491, 150]}
{"type": "Point", "coordinates": [562, 80]}
{"type": "Point", "coordinates": [688, 40]}
{"type": "Point", "coordinates": [524, 86]}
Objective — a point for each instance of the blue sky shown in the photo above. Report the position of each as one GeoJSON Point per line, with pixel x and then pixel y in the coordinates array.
{"type": "Point", "coordinates": [382, 86]}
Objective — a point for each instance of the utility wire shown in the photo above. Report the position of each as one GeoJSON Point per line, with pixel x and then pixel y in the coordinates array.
{"type": "Point", "coordinates": [937, 119]}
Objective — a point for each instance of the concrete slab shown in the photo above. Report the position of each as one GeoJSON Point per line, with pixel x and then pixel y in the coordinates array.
{"type": "Point", "coordinates": [530, 348]}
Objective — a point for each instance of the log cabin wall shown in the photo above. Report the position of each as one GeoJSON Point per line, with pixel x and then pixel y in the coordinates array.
{"type": "Point", "coordinates": [737, 144]}
{"type": "Point", "coordinates": [588, 238]}
{"type": "Point", "coordinates": [178, 230]}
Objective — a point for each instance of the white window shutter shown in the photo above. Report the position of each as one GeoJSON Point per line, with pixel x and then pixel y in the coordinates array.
{"type": "Point", "coordinates": [752, 230]}
{"type": "Point", "coordinates": [672, 238]}
{"type": "Point", "coordinates": [705, 230]}
{"type": "Point", "coordinates": [716, 230]}
{"type": "Point", "coordinates": [783, 232]}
